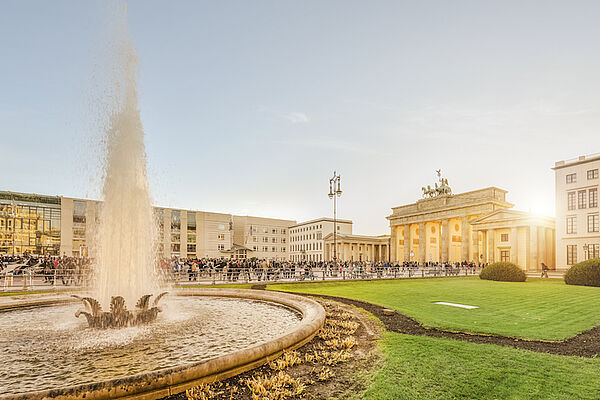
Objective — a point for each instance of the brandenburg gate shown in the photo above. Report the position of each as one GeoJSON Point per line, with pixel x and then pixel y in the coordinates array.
{"type": "Point", "coordinates": [474, 226]}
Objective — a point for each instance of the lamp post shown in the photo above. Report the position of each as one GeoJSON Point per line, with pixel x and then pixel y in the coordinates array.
{"type": "Point", "coordinates": [334, 194]}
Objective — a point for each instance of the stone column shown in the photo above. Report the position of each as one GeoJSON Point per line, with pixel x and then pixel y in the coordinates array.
{"type": "Point", "coordinates": [422, 242]}
{"type": "Point", "coordinates": [407, 242]}
{"type": "Point", "coordinates": [445, 241]}
{"type": "Point", "coordinates": [542, 246]}
{"type": "Point", "coordinates": [491, 246]}
{"type": "Point", "coordinates": [476, 246]}
{"type": "Point", "coordinates": [394, 240]}
{"type": "Point", "coordinates": [514, 245]}
{"type": "Point", "coordinates": [465, 243]}
{"type": "Point", "coordinates": [533, 249]}
{"type": "Point", "coordinates": [484, 246]}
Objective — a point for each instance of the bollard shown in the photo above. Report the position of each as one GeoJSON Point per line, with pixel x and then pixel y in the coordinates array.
{"type": "Point", "coordinates": [344, 275]}
{"type": "Point", "coordinates": [323, 274]}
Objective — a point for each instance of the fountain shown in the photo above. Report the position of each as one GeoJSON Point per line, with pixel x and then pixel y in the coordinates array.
{"type": "Point", "coordinates": [119, 316]}
{"type": "Point", "coordinates": [138, 351]}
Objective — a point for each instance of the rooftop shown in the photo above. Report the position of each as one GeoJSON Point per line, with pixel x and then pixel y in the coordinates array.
{"type": "Point", "coordinates": [323, 219]}
{"type": "Point", "coordinates": [576, 161]}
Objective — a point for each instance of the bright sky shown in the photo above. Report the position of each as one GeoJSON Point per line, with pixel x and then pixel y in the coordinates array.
{"type": "Point", "coordinates": [249, 106]}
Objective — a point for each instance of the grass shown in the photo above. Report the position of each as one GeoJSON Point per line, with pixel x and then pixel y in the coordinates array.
{"type": "Point", "coordinates": [3, 294]}
{"type": "Point", "coordinates": [538, 309]}
{"type": "Point", "coordinates": [419, 367]}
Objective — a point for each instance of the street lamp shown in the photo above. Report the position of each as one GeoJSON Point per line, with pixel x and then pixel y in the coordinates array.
{"type": "Point", "coordinates": [334, 194]}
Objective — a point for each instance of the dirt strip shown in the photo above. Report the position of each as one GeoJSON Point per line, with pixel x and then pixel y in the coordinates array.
{"type": "Point", "coordinates": [585, 344]}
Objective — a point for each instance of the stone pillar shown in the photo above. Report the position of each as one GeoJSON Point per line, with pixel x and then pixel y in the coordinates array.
{"type": "Point", "coordinates": [422, 242]}
{"type": "Point", "coordinates": [445, 241]}
{"type": "Point", "coordinates": [491, 246]}
{"type": "Point", "coordinates": [533, 249]}
{"type": "Point", "coordinates": [407, 242]}
{"type": "Point", "coordinates": [484, 246]}
{"type": "Point", "coordinates": [542, 247]}
{"type": "Point", "coordinates": [465, 242]}
{"type": "Point", "coordinates": [476, 257]}
{"type": "Point", "coordinates": [514, 245]}
{"type": "Point", "coordinates": [394, 240]}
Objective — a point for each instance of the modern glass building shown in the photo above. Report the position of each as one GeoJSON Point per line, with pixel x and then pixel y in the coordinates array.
{"type": "Point", "coordinates": [29, 223]}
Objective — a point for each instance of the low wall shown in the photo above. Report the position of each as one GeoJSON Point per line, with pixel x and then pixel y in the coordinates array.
{"type": "Point", "coordinates": [157, 384]}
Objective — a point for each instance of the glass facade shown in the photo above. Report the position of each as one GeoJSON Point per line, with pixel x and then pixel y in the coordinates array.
{"type": "Point", "coordinates": [29, 223]}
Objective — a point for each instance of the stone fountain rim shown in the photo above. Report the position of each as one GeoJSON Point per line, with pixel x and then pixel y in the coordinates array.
{"type": "Point", "coordinates": [165, 382]}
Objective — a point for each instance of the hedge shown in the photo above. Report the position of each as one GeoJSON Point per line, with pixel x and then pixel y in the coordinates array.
{"type": "Point", "coordinates": [503, 271]}
{"type": "Point", "coordinates": [586, 273]}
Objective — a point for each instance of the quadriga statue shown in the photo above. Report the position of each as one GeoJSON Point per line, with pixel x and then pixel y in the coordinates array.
{"type": "Point", "coordinates": [119, 316]}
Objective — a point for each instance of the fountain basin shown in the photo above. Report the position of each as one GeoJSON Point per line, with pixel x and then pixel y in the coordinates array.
{"type": "Point", "coordinates": [166, 381]}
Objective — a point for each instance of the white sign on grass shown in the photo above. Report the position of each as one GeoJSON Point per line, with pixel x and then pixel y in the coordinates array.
{"type": "Point", "coordinates": [456, 305]}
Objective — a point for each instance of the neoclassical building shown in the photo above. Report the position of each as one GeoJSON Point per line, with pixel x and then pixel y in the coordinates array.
{"type": "Point", "coordinates": [357, 247]}
{"type": "Point", "coordinates": [473, 226]}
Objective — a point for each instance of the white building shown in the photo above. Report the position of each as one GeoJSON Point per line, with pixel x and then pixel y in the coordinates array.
{"type": "Point", "coordinates": [306, 238]}
{"type": "Point", "coordinates": [577, 212]}
{"type": "Point", "coordinates": [263, 238]}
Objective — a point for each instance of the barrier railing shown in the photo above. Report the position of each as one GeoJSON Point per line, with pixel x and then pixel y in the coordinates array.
{"type": "Point", "coordinates": [34, 281]}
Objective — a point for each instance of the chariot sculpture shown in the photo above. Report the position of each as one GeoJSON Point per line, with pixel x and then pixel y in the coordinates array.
{"type": "Point", "coordinates": [119, 316]}
{"type": "Point", "coordinates": [442, 189]}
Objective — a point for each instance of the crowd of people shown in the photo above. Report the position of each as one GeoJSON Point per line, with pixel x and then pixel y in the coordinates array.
{"type": "Point", "coordinates": [79, 270]}
{"type": "Point", "coordinates": [52, 269]}
{"type": "Point", "coordinates": [254, 269]}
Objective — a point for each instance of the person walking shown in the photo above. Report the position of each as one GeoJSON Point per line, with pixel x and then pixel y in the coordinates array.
{"type": "Point", "coordinates": [545, 269]}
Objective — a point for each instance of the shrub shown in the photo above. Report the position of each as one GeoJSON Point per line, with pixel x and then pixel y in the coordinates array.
{"type": "Point", "coordinates": [503, 271]}
{"type": "Point", "coordinates": [586, 273]}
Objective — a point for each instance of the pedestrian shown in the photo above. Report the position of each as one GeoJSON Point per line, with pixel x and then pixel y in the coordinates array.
{"type": "Point", "coordinates": [544, 271]}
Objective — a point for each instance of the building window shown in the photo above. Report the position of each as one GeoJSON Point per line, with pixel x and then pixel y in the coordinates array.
{"type": "Point", "coordinates": [191, 222]}
{"type": "Point", "coordinates": [592, 221]}
{"type": "Point", "coordinates": [254, 248]}
{"type": "Point", "coordinates": [571, 200]}
{"type": "Point", "coordinates": [571, 178]}
{"type": "Point", "coordinates": [593, 251]}
{"type": "Point", "coordinates": [221, 227]}
{"type": "Point", "coordinates": [571, 224]}
{"type": "Point", "coordinates": [592, 174]}
{"type": "Point", "coordinates": [191, 238]}
{"type": "Point", "coordinates": [221, 236]}
{"type": "Point", "coordinates": [283, 231]}
{"type": "Point", "coordinates": [274, 231]}
{"type": "Point", "coordinates": [79, 211]}
{"type": "Point", "coordinates": [571, 254]}
{"type": "Point", "coordinates": [504, 237]}
{"type": "Point", "coordinates": [175, 220]}
{"type": "Point", "coordinates": [505, 255]}
{"type": "Point", "coordinates": [265, 239]}
{"type": "Point", "coordinates": [283, 249]}
{"type": "Point", "coordinates": [191, 248]}
{"type": "Point", "coordinates": [175, 247]}
{"type": "Point", "coordinates": [175, 237]}
{"type": "Point", "coordinates": [282, 240]}
{"type": "Point", "coordinates": [274, 240]}
{"type": "Point", "coordinates": [274, 249]}
{"type": "Point", "coordinates": [221, 247]}
{"type": "Point", "coordinates": [581, 196]}
{"type": "Point", "coordinates": [593, 195]}
{"type": "Point", "coordinates": [254, 239]}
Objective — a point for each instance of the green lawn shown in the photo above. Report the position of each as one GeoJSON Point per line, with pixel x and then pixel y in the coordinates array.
{"type": "Point", "coordinates": [539, 309]}
{"type": "Point", "coordinates": [419, 367]}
